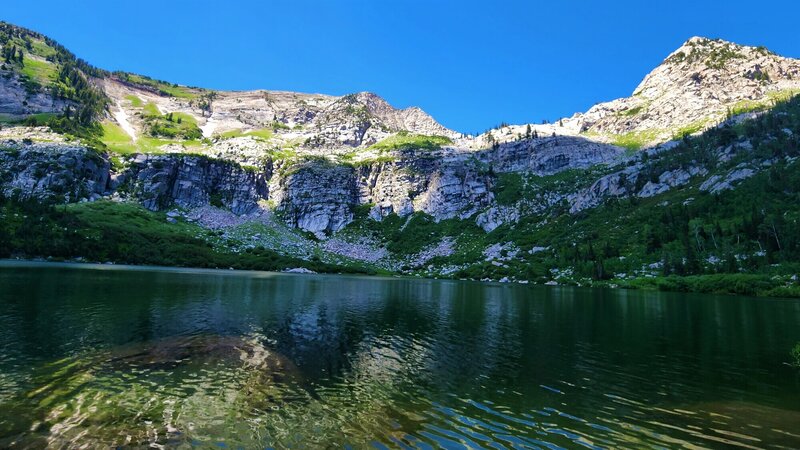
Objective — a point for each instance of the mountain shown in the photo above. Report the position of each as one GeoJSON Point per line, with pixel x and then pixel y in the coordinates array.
{"type": "Point", "coordinates": [627, 193]}
{"type": "Point", "coordinates": [698, 86]}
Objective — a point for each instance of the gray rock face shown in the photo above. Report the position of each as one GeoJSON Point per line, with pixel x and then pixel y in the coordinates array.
{"type": "Point", "coordinates": [693, 89]}
{"type": "Point", "coordinates": [316, 196]}
{"type": "Point", "coordinates": [389, 186]}
{"type": "Point", "coordinates": [719, 183]}
{"type": "Point", "coordinates": [191, 181]}
{"type": "Point", "coordinates": [669, 180]}
{"type": "Point", "coordinates": [412, 119]}
{"type": "Point", "coordinates": [546, 156]}
{"type": "Point", "coordinates": [15, 100]}
{"type": "Point", "coordinates": [62, 173]}
{"type": "Point", "coordinates": [437, 183]}
{"type": "Point", "coordinates": [453, 183]}
{"type": "Point", "coordinates": [70, 174]}
{"type": "Point", "coordinates": [624, 183]}
{"type": "Point", "coordinates": [616, 184]}
{"type": "Point", "coordinates": [454, 192]}
{"type": "Point", "coordinates": [320, 197]}
{"type": "Point", "coordinates": [496, 216]}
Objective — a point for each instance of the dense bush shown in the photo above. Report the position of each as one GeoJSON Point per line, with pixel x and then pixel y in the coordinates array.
{"type": "Point", "coordinates": [795, 353]}
{"type": "Point", "coordinates": [124, 233]}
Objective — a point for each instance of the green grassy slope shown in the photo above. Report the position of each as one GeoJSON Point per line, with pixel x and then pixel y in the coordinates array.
{"type": "Point", "coordinates": [127, 233]}
{"type": "Point", "coordinates": [43, 65]}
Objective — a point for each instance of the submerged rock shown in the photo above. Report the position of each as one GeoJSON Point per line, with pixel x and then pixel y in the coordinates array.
{"type": "Point", "coordinates": [168, 392]}
{"type": "Point", "coordinates": [299, 270]}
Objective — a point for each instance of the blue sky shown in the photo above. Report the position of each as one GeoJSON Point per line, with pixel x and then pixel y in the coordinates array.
{"type": "Point", "coordinates": [469, 64]}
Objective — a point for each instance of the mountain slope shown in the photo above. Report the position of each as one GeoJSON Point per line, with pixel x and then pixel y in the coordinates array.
{"type": "Point", "coordinates": [310, 120]}
{"type": "Point", "coordinates": [699, 85]}
{"type": "Point", "coordinates": [44, 82]}
{"type": "Point", "coordinates": [352, 182]}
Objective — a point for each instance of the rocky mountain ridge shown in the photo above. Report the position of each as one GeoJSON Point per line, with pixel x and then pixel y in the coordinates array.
{"type": "Point", "coordinates": [698, 86]}
{"type": "Point", "coordinates": [347, 169]}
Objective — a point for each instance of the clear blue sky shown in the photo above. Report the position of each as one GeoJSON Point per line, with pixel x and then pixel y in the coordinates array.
{"type": "Point", "coordinates": [469, 64]}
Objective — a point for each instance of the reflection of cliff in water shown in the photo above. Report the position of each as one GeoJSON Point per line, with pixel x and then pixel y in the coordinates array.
{"type": "Point", "coordinates": [335, 360]}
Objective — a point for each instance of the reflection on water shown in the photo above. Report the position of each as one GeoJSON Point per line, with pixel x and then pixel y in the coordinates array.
{"type": "Point", "coordinates": [105, 357]}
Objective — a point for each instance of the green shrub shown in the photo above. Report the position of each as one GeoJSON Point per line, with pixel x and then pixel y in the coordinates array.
{"type": "Point", "coordinates": [408, 141]}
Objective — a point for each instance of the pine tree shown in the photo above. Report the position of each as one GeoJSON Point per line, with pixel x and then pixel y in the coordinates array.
{"type": "Point", "coordinates": [9, 53]}
{"type": "Point", "coordinates": [731, 265]}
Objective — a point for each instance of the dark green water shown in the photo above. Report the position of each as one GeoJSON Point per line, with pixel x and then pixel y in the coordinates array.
{"type": "Point", "coordinates": [105, 356]}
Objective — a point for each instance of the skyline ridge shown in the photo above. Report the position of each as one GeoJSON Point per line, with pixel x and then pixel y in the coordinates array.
{"type": "Point", "coordinates": [469, 65]}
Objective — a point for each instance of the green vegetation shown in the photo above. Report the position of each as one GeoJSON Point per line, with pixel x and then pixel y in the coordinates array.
{"type": "Point", "coordinates": [136, 102]}
{"type": "Point", "coordinates": [44, 72]}
{"type": "Point", "coordinates": [692, 128]}
{"type": "Point", "coordinates": [510, 188]}
{"type": "Point", "coordinates": [773, 98]}
{"type": "Point", "coordinates": [43, 64]}
{"type": "Point", "coordinates": [746, 106]}
{"type": "Point", "coordinates": [723, 283]}
{"type": "Point", "coordinates": [783, 95]}
{"type": "Point", "coordinates": [744, 241]}
{"type": "Point", "coordinates": [125, 233]}
{"type": "Point", "coordinates": [715, 54]}
{"type": "Point", "coordinates": [349, 159]}
{"type": "Point", "coordinates": [283, 153]}
{"type": "Point", "coordinates": [263, 134]}
{"type": "Point", "coordinates": [567, 180]}
{"type": "Point", "coordinates": [151, 110]}
{"type": "Point", "coordinates": [173, 125]}
{"type": "Point", "coordinates": [117, 140]}
{"type": "Point", "coordinates": [34, 120]}
{"type": "Point", "coordinates": [277, 125]}
{"type": "Point", "coordinates": [795, 354]}
{"type": "Point", "coordinates": [634, 111]}
{"type": "Point", "coordinates": [635, 140]}
{"type": "Point", "coordinates": [408, 141]}
{"type": "Point", "coordinates": [514, 186]}
{"type": "Point", "coordinates": [751, 230]}
{"type": "Point", "coordinates": [748, 230]}
{"type": "Point", "coordinates": [718, 57]}
{"type": "Point", "coordinates": [408, 235]}
{"type": "Point", "coordinates": [160, 87]}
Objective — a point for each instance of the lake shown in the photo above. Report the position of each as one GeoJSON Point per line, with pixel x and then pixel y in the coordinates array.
{"type": "Point", "coordinates": [122, 356]}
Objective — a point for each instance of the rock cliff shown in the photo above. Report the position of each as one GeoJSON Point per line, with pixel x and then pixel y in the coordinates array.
{"type": "Point", "coordinates": [317, 161]}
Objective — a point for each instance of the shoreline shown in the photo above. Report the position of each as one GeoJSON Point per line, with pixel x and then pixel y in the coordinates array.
{"type": "Point", "coordinates": [654, 284]}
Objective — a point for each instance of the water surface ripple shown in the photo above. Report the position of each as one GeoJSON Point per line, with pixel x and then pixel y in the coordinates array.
{"type": "Point", "coordinates": [95, 356]}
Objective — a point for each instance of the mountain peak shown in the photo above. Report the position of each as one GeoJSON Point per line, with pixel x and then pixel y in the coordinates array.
{"type": "Point", "coordinates": [697, 86]}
